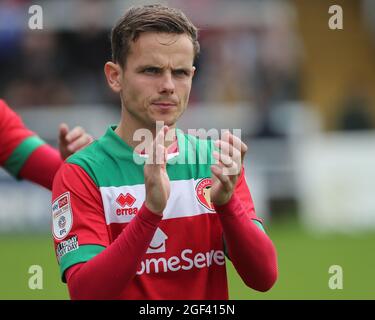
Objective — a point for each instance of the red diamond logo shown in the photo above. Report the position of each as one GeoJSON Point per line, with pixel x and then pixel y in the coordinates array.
{"type": "Point", "coordinates": [124, 200]}
{"type": "Point", "coordinates": [63, 202]}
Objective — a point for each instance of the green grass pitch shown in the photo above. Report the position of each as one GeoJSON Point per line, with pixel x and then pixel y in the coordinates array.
{"type": "Point", "coordinates": [304, 261]}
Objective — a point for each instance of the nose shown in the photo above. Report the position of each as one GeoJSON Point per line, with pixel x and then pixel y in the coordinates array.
{"type": "Point", "coordinates": [167, 85]}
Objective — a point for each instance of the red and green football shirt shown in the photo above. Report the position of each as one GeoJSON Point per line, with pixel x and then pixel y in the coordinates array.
{"type": "Point", "coordinates": [17, 142]}
{"type": "Point", "coordinates": [100, 190]}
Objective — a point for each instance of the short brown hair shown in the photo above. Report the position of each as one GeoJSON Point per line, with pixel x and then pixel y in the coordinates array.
{"type": "Point", "coordinates": [149, 18]}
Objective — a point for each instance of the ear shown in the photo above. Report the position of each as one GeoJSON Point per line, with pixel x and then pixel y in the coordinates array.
{"type": "Point", "coordinates": [113, 74]}
{"type": "Point", "coordinates": [193, 71]}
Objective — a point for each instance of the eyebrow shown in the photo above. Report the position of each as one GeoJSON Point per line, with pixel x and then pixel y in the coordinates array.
{"type": "Point", "coordinates": [143, 67]}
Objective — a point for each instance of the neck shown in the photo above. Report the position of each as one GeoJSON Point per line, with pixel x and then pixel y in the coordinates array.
{"type": "Point", "coordinates": [126, 130]}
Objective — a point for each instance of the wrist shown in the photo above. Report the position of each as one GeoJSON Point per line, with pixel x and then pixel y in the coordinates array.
{"type": "Point", "coordinates": [155, 210]}
{"type": "Point", "coordinates": [146, 214]}
{"type": "Point", "coordinates": [231, 206]}
{"type": "Point", "coordinates": [224, 200]}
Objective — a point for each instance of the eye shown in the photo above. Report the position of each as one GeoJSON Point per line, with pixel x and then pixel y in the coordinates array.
{"type": "Point", "coordinates": [180, 73]}
{"type": "Point", "coordinates": [151, 70]}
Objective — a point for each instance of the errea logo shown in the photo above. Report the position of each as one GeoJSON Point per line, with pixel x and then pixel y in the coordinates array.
{"type": "Point", "coordinates": [126, 202]}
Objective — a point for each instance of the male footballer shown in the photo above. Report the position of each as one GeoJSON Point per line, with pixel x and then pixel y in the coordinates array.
{"type": "Point", "coordinates": [157, 230]}
{"type": "Point", "coordinates": [24, 155]}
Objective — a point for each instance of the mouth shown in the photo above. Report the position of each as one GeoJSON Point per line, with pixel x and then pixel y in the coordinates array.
{"type": "Point", "coordinates": [164, 105]}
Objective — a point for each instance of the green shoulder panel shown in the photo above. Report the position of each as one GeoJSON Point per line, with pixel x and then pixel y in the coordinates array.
{"type": "Point", "coordinates": [19, 155]}
{"type": "Point", "coordinates": [110, 162]}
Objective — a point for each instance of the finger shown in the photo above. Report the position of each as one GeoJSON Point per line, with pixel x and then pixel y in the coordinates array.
{"type": "Point", "coordinates": [227, 149]}
{"type": "Point", "coordinates": [160, 136]}
{"type": "Point", "coordinates": [74, 134]}
{"type": "Point", "coordinates": [162, 154]}
{"type": "Point", "coordinates": [157, 148]}
{"type": "Point", "coordinates": [223, 158]}
{"type": "Point", "coordinates": [158, 157]}
{"type": "Point", "coordinates": [230, 168]}
{"type": "Point", "coordinates": [63, 131]}
{"type": "Point", "coordinates": [224, 179]}
{"type": "Point", "coordinates": [239, 145]}
{"type": "Point", "coordinates": [225, 137]}
{"type": "Point", "coordinates": [79, 143]}
{"type": "Point", "coordinates": [236, 142]}
{"type": "Point", "coordinates": [160, 145]}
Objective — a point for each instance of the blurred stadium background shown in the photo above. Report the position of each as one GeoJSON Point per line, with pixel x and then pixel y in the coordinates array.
{"type": "Point", "coordinates": [302, 94]}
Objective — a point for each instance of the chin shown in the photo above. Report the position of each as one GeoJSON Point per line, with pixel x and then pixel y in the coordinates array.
{"type": "Point", "coordinates": [167, 119]}
{"type": "Point", "coordinates": [166, 122]}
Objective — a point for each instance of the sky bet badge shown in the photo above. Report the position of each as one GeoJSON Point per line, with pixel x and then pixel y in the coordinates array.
{"type": "Point", "coordinates": [62, 220]}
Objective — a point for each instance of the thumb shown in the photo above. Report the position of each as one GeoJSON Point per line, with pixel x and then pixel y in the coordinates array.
{"type": "Point", "coordinates": [63, 131]}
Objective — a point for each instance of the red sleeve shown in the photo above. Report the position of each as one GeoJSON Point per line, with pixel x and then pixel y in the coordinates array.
{"type": "Point", "coordinates": [115, 267]}
{"type": "Point", "coordinates": [112, 265]}
{"type": "Point", "coordinates": [250, 249]}
{"type": "Point", "coordinates": [77, 209]}
{"type": "Point", "coordinates": [41, 166]}
{"type": "Point", "coordinates": [12, 131]}
{"type": "Point", "coordinates": [243, 193]}
{"type": "Point", "coordinates": [22, 153]}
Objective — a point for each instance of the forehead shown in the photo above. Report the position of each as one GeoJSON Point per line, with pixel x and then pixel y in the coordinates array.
{"type": "Point", "coordinates": [161, 48]}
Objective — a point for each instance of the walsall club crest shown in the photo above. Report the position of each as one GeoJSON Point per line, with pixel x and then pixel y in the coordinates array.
{"type": "Point", "coordinates": [203, 193]}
